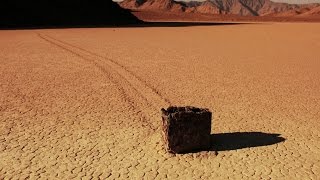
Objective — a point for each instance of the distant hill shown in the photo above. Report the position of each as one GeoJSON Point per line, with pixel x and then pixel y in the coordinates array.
{"type": "Point", "coordinates": [313, 12]}
{"type": "Point", "coordinates": [165, 5]}
{"type": "Point", "coordinates": [234, 7]}
{"type": "Point", "coordinates": [34, 13]}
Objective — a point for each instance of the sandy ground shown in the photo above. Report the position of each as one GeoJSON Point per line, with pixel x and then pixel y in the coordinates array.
{"type": "Point", "coordinates": [86, 102]}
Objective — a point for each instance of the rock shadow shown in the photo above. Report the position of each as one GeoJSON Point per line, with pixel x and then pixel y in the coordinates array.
{"type": "Point", "coordinates": [240, 140]}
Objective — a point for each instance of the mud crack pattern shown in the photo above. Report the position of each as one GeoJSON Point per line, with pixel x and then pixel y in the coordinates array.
{"type": "Point", "coordinates": [84, 103]}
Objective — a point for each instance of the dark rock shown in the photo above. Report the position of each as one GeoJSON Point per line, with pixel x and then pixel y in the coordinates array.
{"type": "Point", "coordinates": [186, 129]}
{"type": "Point", "coordinates": [63, 13]}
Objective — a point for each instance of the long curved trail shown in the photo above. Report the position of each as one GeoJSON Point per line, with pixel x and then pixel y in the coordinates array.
{"type": "Point", "coordinates": [137, 83]}
{"type": "Point", "coordinates": [85, 103]}
{"type": "Point", "coordinates": [128, 82]}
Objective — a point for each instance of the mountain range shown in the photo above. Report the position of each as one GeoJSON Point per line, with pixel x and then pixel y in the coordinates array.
{"type": "Point", "coordinates": [235, 7]}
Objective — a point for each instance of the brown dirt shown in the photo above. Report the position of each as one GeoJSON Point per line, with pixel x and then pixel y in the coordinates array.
{"type": "Point", "coordinates": [86, 102]}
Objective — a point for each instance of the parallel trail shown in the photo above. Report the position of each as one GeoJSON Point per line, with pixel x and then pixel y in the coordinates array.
{"type": "Point", "coordinates": [119, 66]}
{"type": "Point", "coordinates": [129, 83]}
{"type": "Point", "coordinates": [135, 81]}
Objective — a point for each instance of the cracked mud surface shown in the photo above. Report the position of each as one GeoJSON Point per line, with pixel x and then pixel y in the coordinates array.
{"type": "Point", "coordinates": [86, 102]}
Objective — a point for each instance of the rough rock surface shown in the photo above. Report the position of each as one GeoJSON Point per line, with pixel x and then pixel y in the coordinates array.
{"type": "Point", "coordinates": [235, 7]}
{"type": "Point", "coordinates": [209, 8]}
{"type": "Point", "coordinates": [164, 5]}
{"type": "Point", "coordinates": [186, 129]}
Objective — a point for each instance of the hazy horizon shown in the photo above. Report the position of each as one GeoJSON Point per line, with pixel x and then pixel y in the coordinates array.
{"type": "Point", "coordinates": [284, 1]}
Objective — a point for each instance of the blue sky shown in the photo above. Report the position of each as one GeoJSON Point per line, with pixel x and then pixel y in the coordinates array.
{"type": "Point", "coordinates": [286, 1]}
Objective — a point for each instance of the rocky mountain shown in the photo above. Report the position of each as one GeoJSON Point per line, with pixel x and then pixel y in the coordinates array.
{"type": "Point", "coordinates": [35, 13]}
{"type": "Point", "coordinates": [301, 10]}
{"type": "Point", "coordinates": [163, 5]}
{"type": "Point", "coordinates": [209, 7]}
{"type": "Point", "coordinates": [313, 12]}
{"type": "Point", "coordinates": [236, 7]}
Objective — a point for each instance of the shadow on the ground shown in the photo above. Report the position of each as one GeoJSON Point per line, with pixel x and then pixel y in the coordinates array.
{"type": "Point", "coordinates": [137, 25]}
{"type": "Point", "coordinates": [240, 140]}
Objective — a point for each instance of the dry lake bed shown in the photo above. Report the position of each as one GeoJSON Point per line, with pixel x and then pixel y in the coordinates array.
{"type": "Point", "coordinates": [86, 102]}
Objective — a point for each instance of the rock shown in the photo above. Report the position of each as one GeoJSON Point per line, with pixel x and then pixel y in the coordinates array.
{"type": "Point", "coordinates": [63, 13]}
{"type": "Point", "coordinates": [186, 129]}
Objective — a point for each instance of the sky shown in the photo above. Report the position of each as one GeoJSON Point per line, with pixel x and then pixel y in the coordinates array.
{"type": "Point", "coordinates": [286, 1]}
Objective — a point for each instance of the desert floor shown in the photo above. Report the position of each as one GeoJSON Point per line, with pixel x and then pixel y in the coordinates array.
{"type": "Point", "coordinates": [86, 102]}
